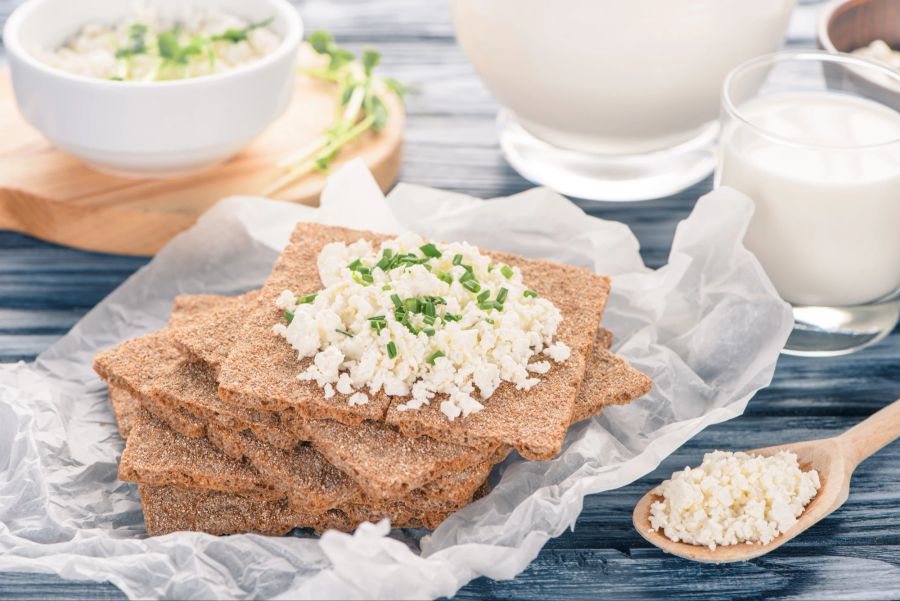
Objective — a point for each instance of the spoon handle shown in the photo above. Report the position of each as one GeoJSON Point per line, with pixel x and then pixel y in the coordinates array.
{"type": "Point", "coordinates": [870, 435]}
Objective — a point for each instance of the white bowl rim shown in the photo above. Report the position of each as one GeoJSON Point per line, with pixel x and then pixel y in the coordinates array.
{"type": "Point", "coordinates": [289, 42]}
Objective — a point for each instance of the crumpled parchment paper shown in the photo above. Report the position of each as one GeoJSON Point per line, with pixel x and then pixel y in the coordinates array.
{"type": "Point", "coordinates": [707, 328]}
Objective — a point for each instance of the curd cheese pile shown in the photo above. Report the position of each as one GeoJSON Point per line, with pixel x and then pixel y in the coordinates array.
{"type": "Point", "coordinates": [422, 319]}
{"type": "Point", "coordinates": [733, 498]}
{"type": "Point", "coordinates": [149, 46]}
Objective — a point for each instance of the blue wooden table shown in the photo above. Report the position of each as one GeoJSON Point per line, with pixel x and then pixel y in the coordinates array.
{"type": "Point", "coordinates": [855, 553]}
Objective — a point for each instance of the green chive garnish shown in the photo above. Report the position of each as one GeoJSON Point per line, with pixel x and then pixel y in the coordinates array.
{"type": "Point", "coordinates": [457, 259]}
{"type": "Point", "coordinates": [386, 287]}
{"type": "Point", "coordinates": [468, 275]}
{"type": "Point", "coordinates": [288, 316]}
{"type": "Point", "coordinates": [429, 319]}
{"type": "Point", "coordinates": [391, 349]}
{"type": "Point", "coordinates": [484, 295]}
{"type": "Point", "coordinates": [507, 271]}
{"type": "Point", "coordinates": [355, 265]}
{"type": "Point", "coordinates": [501, 296]}
{"type": "Point", "coordinates": [429, 332]}
{"type": "Point", "coordinates": [411, 305]}
{"type": "Point", "coordinates": [397, 302]}
{"type": "Point", "coordinates": [530, 293]}
{"type": "Point", "coordinates": [489, 320]}
{"type": "Point", "coordinates": [434, 356]}
{"type": "Point", "coordinates": [444, 277]}
{"type": "Point", "coordinates": [428, 309]}
{"type": "Point", "coordinates": [305, 300]}
{"type": "Point", "coordinates": [430, 250]}
{"type": "Point", "coordinates": [486, 306]}
{"type": "Point", "coordinates": [344, 332]}
{"type": "Point", "coordinates": [471, 285]}
{"type": "Point", "coordinates": [451, 317]}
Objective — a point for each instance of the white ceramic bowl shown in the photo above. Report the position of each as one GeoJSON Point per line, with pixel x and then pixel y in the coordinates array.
{"type": "Point", "coordinates": [148, 129]}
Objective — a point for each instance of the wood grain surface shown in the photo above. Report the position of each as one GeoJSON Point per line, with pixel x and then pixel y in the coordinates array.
{"type": "Point", "coordinates": [52, 195]}
{"type": "Point", "coordinates": [451, 143]}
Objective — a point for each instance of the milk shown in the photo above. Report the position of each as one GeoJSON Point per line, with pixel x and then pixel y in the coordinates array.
{"type": "Point", "coordinates": [614, 76]}
{"type": "Point", "coordinates": [827, 222]}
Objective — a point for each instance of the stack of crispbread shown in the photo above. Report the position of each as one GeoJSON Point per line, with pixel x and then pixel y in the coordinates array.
{"type": "Point", "coordinates": [222, 437]}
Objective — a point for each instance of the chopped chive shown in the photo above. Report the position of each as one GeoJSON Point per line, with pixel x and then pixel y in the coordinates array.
{"type": "Point", "coordinates": [457, 259]}
{"type": "Point", "coordinates": [468, 275]}
{"type": "Point", "coordinates": [486, 306]}
{"type": "Point", "coordinates": [400, 315]}
{"type": "Point", "coordinates": [501, 296]}
{"type": "Point", "coordinates": [530, 293]}
{"type": "Point", "coordinates": [498, 305]}
{"type": "Point", "coordinates": [355, 265]}
{"type": "Point", "coordinates": [434, 356]}
{"type": "Point", "coordinates": [344, 332]}
{"type": "Point", "coordinates": [412, 305]}
{"type": "Point", "coordinates": [489, 320]}
{"type": "Point", "coordinates": [288, 316]}
{"type": "Point", "coordinates": [451, 317]}
{"type": "Point", "coordinates": [507, 271]}
{"type": "Point", "coordinates": [429, 332]}
{"type": "Point", "coordinates": [305, 300]}
{"type": "Point", "coordinates": [429, 309]}
{"type": "Point", "coordinates": [391, 349]}
{"type": "Point", "coordinates": [377, 318]}
{"type": "Point", "coordinates": [444, 277]}
{"type": "Point", "coordinates": [430, 250]}
{"type": "Point", "coordinates": [471, 285]}
{"type": "Point", "coordinates": [485, 294]}
{"type": "Point", "coordinates": [397, 302]}
{"type": "Point", "coordinates": [490, 267]}
{"type": "Point", "coordinates": [429, 319]}
{"type": "Point", "coordinates": [386, 287]}
{"type": "Point", "coordinates": [364, 279]}
{"type": "Point", "coordinates": [378, 326]}
{"type": "Point", "coordinates": [426, 266]}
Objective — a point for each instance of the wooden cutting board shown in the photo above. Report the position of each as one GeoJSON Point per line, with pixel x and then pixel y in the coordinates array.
{"type": "Point", "coordinates": [51, 195]}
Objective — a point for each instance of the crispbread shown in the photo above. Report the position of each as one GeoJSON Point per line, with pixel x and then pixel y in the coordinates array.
{"type": "Point", "coordinates": [393, 464]}
{"type": "Point", "coordinates": [195, 316]}
{"type": "Point", "coordinates": [261, 370]}
{"type": "Point", "coordinates": [609, 381]}
{"type": "Point", "coordinates": [301, 473]}
{"type": "Point", "coordinates": [169, 509]}
{"type": "Point", "coordinates": [155, 454]}
{"type": "Point", "coordinates": [386, 464]}
{"type": "Point", "coordinates": [535, 422]}
{"type": "Point", "coordinates": [126, 409]}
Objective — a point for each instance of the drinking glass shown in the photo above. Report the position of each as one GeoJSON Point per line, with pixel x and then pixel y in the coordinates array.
{"type": "Point", "coordinates": [813, 138]}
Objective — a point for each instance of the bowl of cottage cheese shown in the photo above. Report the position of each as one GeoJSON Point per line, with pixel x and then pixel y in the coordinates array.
{"type": "Point", "coordinates": [153, 89]}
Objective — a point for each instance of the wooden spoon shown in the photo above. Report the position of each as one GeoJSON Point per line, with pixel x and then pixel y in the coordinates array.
{"type": "Point", "coordinates": [834, 459]}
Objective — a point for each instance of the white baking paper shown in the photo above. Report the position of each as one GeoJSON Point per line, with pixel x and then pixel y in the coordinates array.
{"type": "Point", "coordinates": [707, 328]}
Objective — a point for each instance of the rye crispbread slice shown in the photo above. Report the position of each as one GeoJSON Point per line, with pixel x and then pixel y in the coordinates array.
{"type": "Point", "coordinates": [261, 369]}
{"type": "Point", "coordinates": [169, 509]}
{"type": "Point", "coordinates": [609, 380]}
{"type": "Point", "coordinates": [204, 327]}
{"type": "Point", "coordinates": [155, 454]}
{"type": "Point", "coordinates": [383, 462]}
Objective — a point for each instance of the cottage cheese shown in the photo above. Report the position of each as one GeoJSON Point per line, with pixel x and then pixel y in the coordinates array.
{"type": "Point", "coordinates": [130, 48]}
{"type": "Point", "coordinates": [444, 321]}
{"type": "Point", "coordinates": [733, 498]}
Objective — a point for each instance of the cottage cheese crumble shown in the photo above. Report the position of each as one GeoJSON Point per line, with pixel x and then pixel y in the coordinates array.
{"type": "Point", "coordinates": [413, 318]}
{"type": "Point", "coordinates": [733, 498]}
{"type": "Point", "coordinates": [148, 45]}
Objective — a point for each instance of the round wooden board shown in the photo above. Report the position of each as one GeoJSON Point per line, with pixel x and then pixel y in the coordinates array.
{"type": "Point", "coordinates": [51, 195]}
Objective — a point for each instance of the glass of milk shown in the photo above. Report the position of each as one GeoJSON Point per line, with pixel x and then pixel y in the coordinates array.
{"type": "Point", "coordinates": [613, 99]}
{"type": "Point", "coordinates": [814, 140]}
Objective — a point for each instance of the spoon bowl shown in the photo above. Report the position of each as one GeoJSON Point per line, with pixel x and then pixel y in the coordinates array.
{"type": "Point", "coordinates": [834, 458]}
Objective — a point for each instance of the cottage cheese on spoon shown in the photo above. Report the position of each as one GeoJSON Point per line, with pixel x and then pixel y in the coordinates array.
{"type": "Point", "coordinates": [421, 319]}
{"type": "Point", "coordinates": [733, 498]}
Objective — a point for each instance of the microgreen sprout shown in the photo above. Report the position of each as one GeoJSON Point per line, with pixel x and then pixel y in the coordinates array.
{"type": "Point", "coordinates": [362, 109]}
